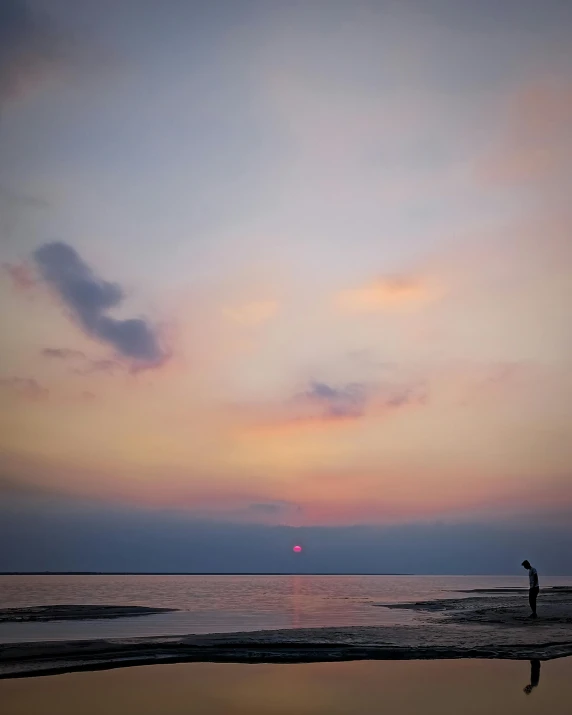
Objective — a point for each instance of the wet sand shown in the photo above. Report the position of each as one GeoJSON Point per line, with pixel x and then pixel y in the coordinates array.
{"type": "Point", "coordinates": [499, 607]}
{"type": "Point", "coordinates": [400, 688]}
{"type": "Point", "coordinates": [291, 646]}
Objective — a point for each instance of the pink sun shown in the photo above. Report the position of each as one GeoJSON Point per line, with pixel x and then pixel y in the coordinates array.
{"type": "Point", "coordinates": [297, 549]}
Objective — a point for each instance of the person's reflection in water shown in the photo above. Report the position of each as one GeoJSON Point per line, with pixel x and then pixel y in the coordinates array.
{"type": "Point", "coordinates": [534, 676]}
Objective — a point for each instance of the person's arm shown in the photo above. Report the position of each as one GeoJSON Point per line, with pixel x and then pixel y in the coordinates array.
{"type": "Point", "coordinates": [535, 579]}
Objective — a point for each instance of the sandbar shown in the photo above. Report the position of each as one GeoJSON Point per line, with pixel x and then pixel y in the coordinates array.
{"type": "Point", "coordinates": [492, 625]}
{"type": "Point", "coordinates": [74, 613]}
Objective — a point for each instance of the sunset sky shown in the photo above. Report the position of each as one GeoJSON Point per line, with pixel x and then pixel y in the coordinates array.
{"type": "Point", "coordinates": [287, 263]}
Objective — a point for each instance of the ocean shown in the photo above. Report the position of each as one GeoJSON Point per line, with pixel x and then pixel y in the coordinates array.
{"type": "Point", "coordinates": [230, 603]}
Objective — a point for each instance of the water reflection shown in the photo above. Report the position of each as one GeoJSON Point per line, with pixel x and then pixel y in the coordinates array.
{"type": "Point", "coordinates": [296, 604]}
{"type": "Point", "coordinates": [446, 687]}
{"type": "Point", "coordinates": [534, 676]}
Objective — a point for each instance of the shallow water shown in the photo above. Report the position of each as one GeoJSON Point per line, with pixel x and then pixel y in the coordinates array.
{"type": "Point", "coordinates": [218, 604]}
{"type": "Point", "coordinates": [399, 688]}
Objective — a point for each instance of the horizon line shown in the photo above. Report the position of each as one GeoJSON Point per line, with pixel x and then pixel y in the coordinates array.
{"type": "Point", "coordinates": [251, 573]}
{"type": "Point", "coordinates": [269, 573]}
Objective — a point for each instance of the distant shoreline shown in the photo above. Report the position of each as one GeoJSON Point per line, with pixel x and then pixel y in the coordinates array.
{"type": "Point", "coordinates": [201, 573]}
{"type": "Point", "coordinates": [266, 574]}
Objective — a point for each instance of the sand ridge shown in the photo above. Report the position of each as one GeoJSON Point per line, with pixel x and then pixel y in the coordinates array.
{"type": "Point", "coordinates": [74, 612]}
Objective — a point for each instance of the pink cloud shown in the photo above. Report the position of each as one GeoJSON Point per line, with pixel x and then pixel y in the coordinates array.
{"type": "Point", "coordinates": [21, 275]}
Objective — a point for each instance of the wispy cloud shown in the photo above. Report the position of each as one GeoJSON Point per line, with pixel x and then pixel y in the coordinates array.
{"type": "Point", "coordinates": [25, 387]}
{"type": "Point", "coordinates": [346, 401]}
{"type": "Point", "coordinates": [81, 364]}
{"type": "Point", "coordinates": [252, 313]}
{"type": "Point", "coordinates": [89, 298]}
{"type": "Point", "coordinates": [107, 366]}
{"type": "Point", "coordinates": [270, 512]}
{"type": "Point", "coordinates": [323, 405]}
{"type": "Point", "coordinates": [63, 353]}
{"type": "Point", "coordinates": [393, 292]}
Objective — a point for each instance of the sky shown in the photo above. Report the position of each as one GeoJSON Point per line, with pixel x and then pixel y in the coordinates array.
{"type": "Point", "coordinates": [281, 272]}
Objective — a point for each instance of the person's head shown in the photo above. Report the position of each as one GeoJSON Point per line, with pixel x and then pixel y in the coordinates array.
{"type": "Point", "coordinates": [526, 564]}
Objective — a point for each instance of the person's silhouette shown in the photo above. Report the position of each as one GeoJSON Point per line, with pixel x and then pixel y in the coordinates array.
{"type": "Point", "coordinates": [534, 676]}
{"type": "Point", "coordinates": [534, 587]}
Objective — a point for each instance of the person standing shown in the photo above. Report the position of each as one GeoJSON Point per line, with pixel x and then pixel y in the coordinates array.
{"type": "Point", "coordinates": [533, 587]}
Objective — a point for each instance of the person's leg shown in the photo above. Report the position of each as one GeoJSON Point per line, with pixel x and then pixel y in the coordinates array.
{"type": "Point", "coordinates": [532, 595]}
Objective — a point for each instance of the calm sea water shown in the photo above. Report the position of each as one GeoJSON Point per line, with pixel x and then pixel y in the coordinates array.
{"type": "Point", "coordinates": [219, 604]}
{"type": "Point", "coordinates": [443, 687]}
